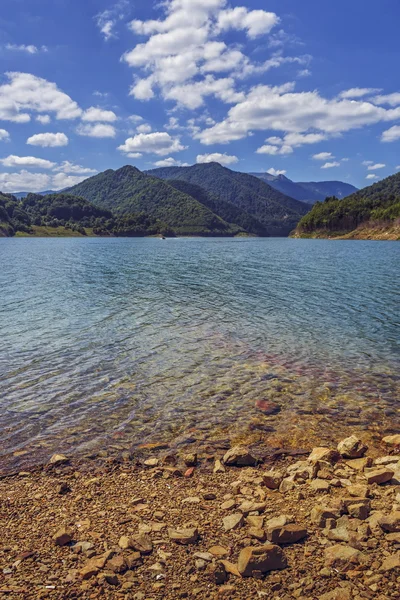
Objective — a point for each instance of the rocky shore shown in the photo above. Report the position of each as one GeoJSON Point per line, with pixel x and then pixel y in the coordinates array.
{"type": "Point", "coordinates": [317, 525]}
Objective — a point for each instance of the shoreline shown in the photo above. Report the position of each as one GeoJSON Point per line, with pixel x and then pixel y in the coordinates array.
{"type": "Point", "coordinates": [233, 523]}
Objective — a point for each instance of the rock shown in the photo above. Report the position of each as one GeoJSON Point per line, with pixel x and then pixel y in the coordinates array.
{"type": "Point", "coordinates": [219, 574]}
{"type": "Point", "coordinates": [359, 464]}
{"type": "Point", "coordinates": [189, 472]}
{"type": "Point", "coordinates": [352, 447]}
{"type": "Point", "coordinates": [267, 407]}
{"type": "Point", "coordinates": [228, 504]}
{"type": "Point", "coordinates": [63, 537]}
{"type": "Point", "coordinates": [88, 571]}
{"type": "Point", "coordinates": [249, 506]}
{"type": "Point", "coordinates": [233, 521]}
{"type": "Point", "coordinates": [190, 459]}
{"type": "Point", "coordinates": [63, 488]}
{"type": "Point", "coordinates": [343, 558]}
{"type": "Point", "coordinates": [261, 558]}
{"type": "Point", "coordinates": [337, 594]}
{"type": "Point", "coordinates": [359, 511]}
{"type": "Point", "coordinates": [142, 543]}
{"type": "Point", "coordinates": [117, 564]}
{"type": "Point", "coordinates": [183, 536]}
{"type": "Point", "coordinates": [218, 551]}
{"type": "Point", "coordinates": [272, 479]}
{"type": "Point", "coordinates": [325, 454]}
{"type": "Point", "coordinates": [347, 503]}
{"type": "Point", "coordinates": [280, 521]}
{"type": "Point", "coordinates": [230, 568]}
{"type": "Point", "coordinates": [379, 476]}
{"type": "Point", "coordinates": [391, 562]}
{"type": "Point", "coordinates": [124, 542]}
{"type": "Point", "coordinates": [209, 496]}
{"type": "Point", "coordinates": [320, 515]}
{"type": "Point", "coordinates": [387, 460]}
{"type": "Point", "coordinates": [255, 521]}
{"type": "Point", "coordinates": [302, 470]}
{"type": "Point", "coordinates": [239, 456]}
{"type": "Point", "coordinates": [393, 538]}
{"type": "Point", "coordinates": [287, 484]}
{"type": "Point", "coordinates": [218, 467]}
{"type": "Point", "coordinates": [59, 459]}
{"type": "Point", "coordinates": [392, 440]}
{"type": "Point", "coordinates": [151, 462]}
{"type": "Point", "coordinates": [289, 534]}
{"type": "Point", "coordinates": [320, 485]}
{"type": "Point", "coordinates": [391, 522]}
{"type": "Point", "coordinates": [258, 534]}
{"type": "Point", "coordinates": [358, 490]}
{"type": "Point", "coordinates": [133, 559]}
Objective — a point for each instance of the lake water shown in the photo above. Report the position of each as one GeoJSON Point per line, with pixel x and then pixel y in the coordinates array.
{"type": "Point", "coordinates": [115, 343]}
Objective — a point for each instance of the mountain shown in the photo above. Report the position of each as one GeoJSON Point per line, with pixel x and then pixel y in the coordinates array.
{"type": "Point", "coordinates": [307, 192]}
{"type": "Point", "coordinates": [128, 190]}
{"type": "Point", "coordinates": [276, 212]}
{"type": "Point", "coordinates": [373, 212]}
{"type": "Point", "coordinates": [21, 195]}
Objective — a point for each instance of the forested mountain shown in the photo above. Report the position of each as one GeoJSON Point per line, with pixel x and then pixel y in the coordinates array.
{"type": "Point", "coordinates": [278, 213]}
{"type": "Point", "coordinates": [375, 206]}
{"type": "Point", "coordinates": [128, 190]}
{"type": "Point", "coordinates": [307, 192]}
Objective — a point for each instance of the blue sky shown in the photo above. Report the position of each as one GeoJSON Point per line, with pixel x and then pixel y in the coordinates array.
{"type": "Point", "coordinates": [308, 88]}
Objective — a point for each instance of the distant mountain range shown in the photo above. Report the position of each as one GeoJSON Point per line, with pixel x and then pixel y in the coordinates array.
{"type": "Point", "coordinates": [370, 213]}
{"type": "Point", "coordinates": [309, 192]}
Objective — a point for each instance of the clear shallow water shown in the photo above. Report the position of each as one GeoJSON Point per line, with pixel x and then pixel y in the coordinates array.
{"type": "Point", "coordinates": [113, 343]}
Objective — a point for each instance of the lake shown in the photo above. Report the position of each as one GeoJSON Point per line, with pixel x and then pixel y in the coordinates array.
{"type": "Point", "coordinates": [112, 344]}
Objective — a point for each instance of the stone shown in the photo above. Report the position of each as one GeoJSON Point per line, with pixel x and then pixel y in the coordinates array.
{"type": "Point", "coordinates": [239, 456]}
{"type": "Point", "coordinates": [261, 558]}
{"type": "Point", "coordinates": [59, 459]}
{"type": "Point", "coordinates": [190, 459]}
{"type": "Point", "coordinates": [133, 559]}
{"type": "Point", "coordinates": [218, 551]}
{"type": "Point", "coordinates": [337, 594]}
{"type": "Point", "coordinates": [325, 454]}
{"type": "Point", "coordinates": [117, 564]}
{"type": "Point", "coordinates": [62, 537]}
{"type": "Point", "coordinates": [391, 522]}
{"type": "Point", "coordinates": [218, 467]}
{"type": "Point", "coordinates": [287, 484]}
{"type": "Point", "coordinates": [255, 521]}
{"type": "Point", "coordinates": [219, 574]}
{"type": "Point", "coordinates": [379, 476]}
{"type": "Point", "coordinates": [183, 536]}
{"type": "Point", "coordinates": [124, 542]}
{"type": "Point", "coordinates": [189, 472]}
{"type": "Point", "coordinates": [272, 479]}
{"type": "Point", "coordinates": [63, 488]}
{"type": "Point", "coordinates": [359, 464]}
{"type": "Point", "coordinates": [320, 485]}
{"type": "Point", "coordinates": [142, 543]}
{"type": "Point", "coordinates": [289, 534]}
{"type": "Point", "coordinates": [359, 490]}
{"type": "Point", "coordinates": [349, 502]}
{"type": "Point", "coordinates": [320, 515]}
{"type": "Point", "coordinates": [233, 521]}
{"type": "Point", "coordinates": [209, 496]}
{"type": "Point", "coordinates": [228, 504]}
{"type": "Point", "coordinates": [249, 506]}
{"type": "Point", "coordinates": [258, 534]}
{"type": "Point", "coordinates": [267, 407]}
{"type": "Point", "coordinates": [343, 558]}
{"type": "Point", "coordinates": [352, 447]}
{"type": "Point", "coordinates": [151, 462]}
{"type": "Point", "coordinates": [230, 568]}
{"type": "Point", "coordinates": [359, 511]}
{"type": "Point", "coordinates": [391, 562]}
{"type": "Point", "coordinates": [392, 440]}
{"type": "Point", "coordinates": [88, 571]}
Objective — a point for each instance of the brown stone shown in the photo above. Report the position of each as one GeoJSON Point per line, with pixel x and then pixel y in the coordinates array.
{"type": "Point", "coordinates": [392, 440]}
{"type": "Point", "coordinates": [59, 459]}
{"type": "Point", "coordinates": [261, 558]}
{"type": "Point", "coordinates": [391, 562]}
{"type": "Point", "coordinates": [218, 551]}
{"type": "Point", "coordinates": [239, 456]}
{"type": "Point", "coordinates": [117, 564]}
{"type": "Point", "coordinates": [352, 447]}
{"type": "Point", "coordinates": [289, 534]}
{"type": "Point", "coordinates": [337, 594]}
{"type": "Point", "coordinates": [272, 479]}
{"type": "Point", "coordinates": [233, 521]}
{"type": "Point", "coordinates": [320, 514]}
{"type": "Point", "coordinates": [62, 537]}
{"type": "Point", "coordinates": [358, 490]}
{"type": "Point", "coordinates": [359, 511]}
{"type": "Point", "coordinates": [325, 454]}
{"type": "Point", "coordinates": [379, 476]}
{"type": "Point", "coordinates": [343, 558]}
{"type": "Point", "coordinates": [142, 543]}
{"type": "Point", "coordinates": [190, 459]}
{"type": "Point", "coordinates": [230, 568]}
{"type": "Point", "coordinates": [267, 407]}
{"type": "Point", "coordinates": [391, 522]}
{"type": "Point", "coordinates": [184, 536]}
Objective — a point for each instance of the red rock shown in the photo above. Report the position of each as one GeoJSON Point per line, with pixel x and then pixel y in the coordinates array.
{"type": "Point", "coordinates": [189, 472]}
{"type": "Point", "coordinates": [268, 408]}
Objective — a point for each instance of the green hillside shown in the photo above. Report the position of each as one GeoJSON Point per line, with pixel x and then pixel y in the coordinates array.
{"type": "Point", "coordinates": [277, 213]}
{"type": "Point", "coordinates": [128, 190]}
{"type": "Point", "coordinates": [378, 204]}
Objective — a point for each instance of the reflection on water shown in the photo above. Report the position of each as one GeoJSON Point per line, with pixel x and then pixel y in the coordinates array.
{"type": "Point", "coordinates": [119, 342]}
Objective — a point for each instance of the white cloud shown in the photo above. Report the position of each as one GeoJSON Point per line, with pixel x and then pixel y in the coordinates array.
{"type": "Point", "coordinates": [275, 172]}
{"type": "Point", "coordinates": [390, 99]}
{"type": "Point", "coordinates": [372, 176]}
{"type": "Point", "coordinates": [170, 162]}
{"type": "Point", "coordinates": [392, 134]}
{"type": "Point", "coordinates": [160, 143]}
{"type": "Point", "coordinates": [25, 93]}
{"type": "Point", "coordinates": [275, 150]}
{"type": "Point", "coordinates": [135, 119]}
{"type": "Point", "coordinates": [28, 49]}
{"type": "Point", "coordinates": [26, 161]}
{"type": "Point", "coordinates": [254, 22]}
{"type": "Point", "coordinates": [43, 119]}
{"type": "Point", "coordinates": [330, 165]}
{"type": "Point", "coordinates": [323, 156]}
{"type": "Point", "coordinates": [97, 130]}
{"type": "Point", "coordinates": [358, 92]}
{"type": "Point", "coordinates": [223, 159]}
{"type": "Point", "coordinates": [304, 73]}
{"type": "Point", "coordinates": [144, 128]}
{"type": "Point", "coordinates": [4, 135]}
{"type": "Point", "coordinates": [397, 168]}
{"type": "Point", "coordinates": [134, 155]}
{"type": "Point", "coordinates": [172, 124]}
{"type": "Point", "coordinates": [61, 180]}
{"type": "Point", "coordinates": [94, 113]}
{"type": "Point", "coordinates": [48, 140]}
{"type": "Point", "coordinates": [366, 163]}
{"type": "Point", "coordinates": [376, 166]}
{"type": "Point", "coordinates": [68, 167]}
{"type": "Point", "coordinates": [24, 182]}
{"type": "Point", "coordinates": [107, 20]}
{"type": "Point", "coordinates": [282, 109]}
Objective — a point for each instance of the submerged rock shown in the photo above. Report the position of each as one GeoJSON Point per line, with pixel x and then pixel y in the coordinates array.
{"type": "Point", "coordinates": [267, 407]}
{"type": "Point", "coordinates": [239, 456]}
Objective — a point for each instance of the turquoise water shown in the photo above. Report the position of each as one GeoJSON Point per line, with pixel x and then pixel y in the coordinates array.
{"type": "Point", "coordinates": [112, 343]}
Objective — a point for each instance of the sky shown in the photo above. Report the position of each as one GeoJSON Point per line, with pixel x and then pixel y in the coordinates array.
{"type": "Point", "coordinates": [309, 89]}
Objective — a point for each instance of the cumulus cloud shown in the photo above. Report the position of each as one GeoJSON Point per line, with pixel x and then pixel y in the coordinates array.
{"type": "Point", "coordinates": [24, 181]}
{"type": "Point", "coordinates": [26, 161]}
{"type": "Point", "coordinates": [160, 143]}
{"type": "Point", "coordinates": [28, 49]}
{"type": "Point", "coordinates": [222, 159]}
{"type": "Point", "coordinates": [330, 165]}
{"type": "Point", "coordinates": [135, 119]}
{"type": "Point", "coordinates": [390, 99]}
{"type": "Point", "coordinates": [70, 168]}
{"type": "Point", "coordinates": [372, 176]}
{"type": "Point", "coordinates": [170, 162]}
{"type": "Point", "coordinates": [392, 134]}
{"type": "Point", "coordinates": [62, 180]}
{"type": "Point", "coordinates": [43, 119]}
{"type": "Point", "coordinates": [276, 172]}
{"type": "Point", "coordinates": [358, 92]}
{"type": "Point", "coordinates": [275, 150]}
{"type": "Point", "coordinates": [4, 135]}
{"type": "Point", "coordinates": [134, 155]}
{"type": "Point", "coordinates": [94, 113]}
{"type": "Point", "coordinates": [373, 167]}
{"type": "Point", "coordinates": [254, 22]}
{"type": "Point", "coordinates": [25, 93]}
{"type": "Point", "coordinates": [323, 156]}
{"type": "Point", "coordinates": [306, 113]}
{"type": "Point", "coordinates": [50, 140]}
{"type": "Point", "coordinates": [98, 130]}
{"type": "Point", "coordinates": [144, 128]}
